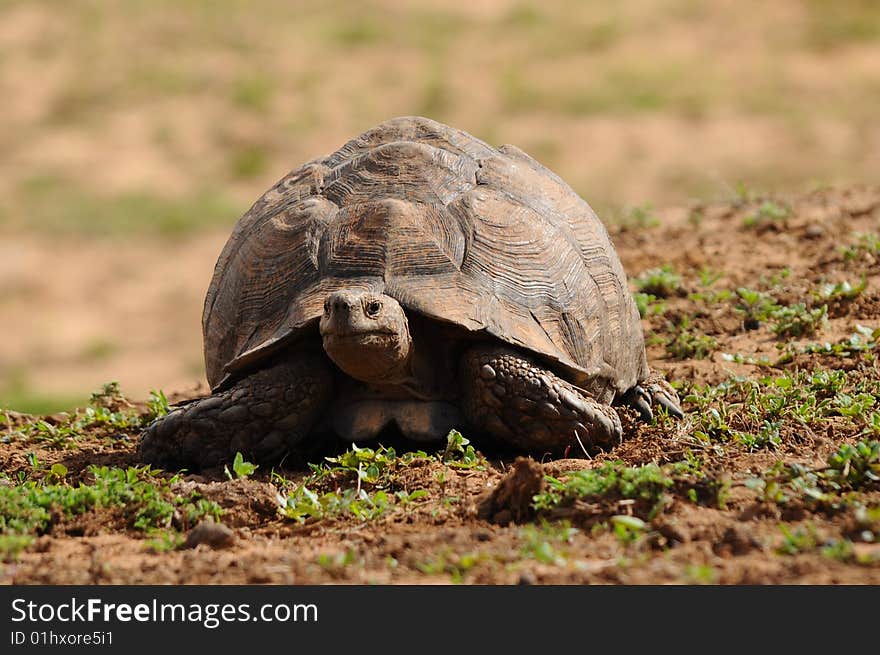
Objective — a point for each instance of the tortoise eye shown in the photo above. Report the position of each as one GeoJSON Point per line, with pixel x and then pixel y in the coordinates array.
{"type": "Point", "coordinates": [373, 307]}
{"type": "Point", "coordinates": [327, 306]}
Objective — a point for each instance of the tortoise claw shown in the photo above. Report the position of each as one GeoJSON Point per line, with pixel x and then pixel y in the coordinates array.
{"type": "Point", "coordinates": [664, 395]}
{"type": "Point", "coordinates": [654, 390]}
{"type": "Point", "coordinates": [642, 404]}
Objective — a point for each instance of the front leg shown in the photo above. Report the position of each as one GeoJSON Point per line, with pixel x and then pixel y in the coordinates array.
{"type": "Point", "coordinates": [520, 402]}
{"type": "Point", "coordinates": [264, 416]}
{"type": "Point", "coordinates": [653, 390]}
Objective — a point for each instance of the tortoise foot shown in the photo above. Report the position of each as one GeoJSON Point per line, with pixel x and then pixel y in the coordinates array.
{"type": "Point", "coordinates": [517, 401]}
{"type": "Point", "coordinates": [653, 390]}
{"type": "Point", "coordinates": [264, 416]}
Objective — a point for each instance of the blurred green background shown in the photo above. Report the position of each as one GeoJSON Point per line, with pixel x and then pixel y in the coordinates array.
{"type": "Point", "coordinates": [134, 133]}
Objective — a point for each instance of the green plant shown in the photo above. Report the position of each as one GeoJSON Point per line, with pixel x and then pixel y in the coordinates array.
{"type": "Point", "coordinates": [336, 561]}
{"type": "Point", "coordinates": [700, 574]}
{"type": "Point", "coordinates": [865, 244]}
{"type": "Point", "coordinates": [145, 500]}
{"type": "Point", "coordinates": [241, 468]}
{"type": "Point", "coordinates": [648, 304]}
{"type": "Point", "coordinates": [541, 542]}
{"type": "Point", "coordinates": [449, 563]}
{"type": "Point", "coordinates": [157, 406]}
{"type": "Point", "coordinates": [661, 282]}
{"type": "Point", "coordinates": [850, 469]}
{"type": "Point", "coordinates": [638, 217]}
{"type": "Point", "coordinates": [841, 291]}
{"type": "Point", "coordinates": [459, 453]}
{"type": "Point", "coordinates": [799, 540]}
{"type": "Point", "coordinates": [57, 472]}
{"type": "Point", "coordinates": [11, 545]}
{"type": "Point", "coordinates": [685, 343]}
{"type": "Point", "coordinates": [767, 212]}
{"type": "Point", "coordinates": [612, 479]}
{"type": "Point", "coordinates": [755, 306]}
{"type": "Point", "coordinates": [862, 342]}
{"type": "Point", "coordinates": [628, 529]}
{"type": "Point", "coordinates": [376, 467]}
{"type": "Point", "coordinates": [302, 504]}
{"type": "Point", "coordinates": [163, 541]}
{"type": "Point", "coordinates": [796, 320]}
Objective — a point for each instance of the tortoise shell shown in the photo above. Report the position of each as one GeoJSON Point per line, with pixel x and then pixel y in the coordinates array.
{"type": "Point", "coordinates": [483, 238]}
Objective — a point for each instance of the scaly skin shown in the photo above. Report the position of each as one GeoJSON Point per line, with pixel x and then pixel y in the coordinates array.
{"type": "Point", "coordinates": [265, 416]}
{"type": "Point", "coordinates": [521, 403]}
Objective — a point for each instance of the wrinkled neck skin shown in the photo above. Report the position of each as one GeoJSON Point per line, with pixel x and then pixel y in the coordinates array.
{"type": "Point", "coordinates": [367, 336]}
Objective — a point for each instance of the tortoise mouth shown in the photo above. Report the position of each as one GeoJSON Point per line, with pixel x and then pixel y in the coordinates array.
{"type": "Point", "coordinates": [361, 339]}
{"type": "Point", "coordinates": [350, 333]}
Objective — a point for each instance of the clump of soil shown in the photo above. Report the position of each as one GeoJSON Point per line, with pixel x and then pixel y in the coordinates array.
{"type": "Point", "coordinates": [511, 499]}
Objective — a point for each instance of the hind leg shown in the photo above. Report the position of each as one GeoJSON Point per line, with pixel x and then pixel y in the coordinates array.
{"type": "Point", "coordinates": [264, 416]}
{"type": "Point", "coordinates": [521, 403]}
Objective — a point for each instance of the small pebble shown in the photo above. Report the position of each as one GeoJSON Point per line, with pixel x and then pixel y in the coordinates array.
{"type": "Point", "coordinates": [814, 231]}
{"type": "Point", "coordinates": [215, 535]}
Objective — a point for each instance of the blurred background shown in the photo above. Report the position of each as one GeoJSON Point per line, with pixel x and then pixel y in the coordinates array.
{"type": "Point", "coordinates": [134, 133]}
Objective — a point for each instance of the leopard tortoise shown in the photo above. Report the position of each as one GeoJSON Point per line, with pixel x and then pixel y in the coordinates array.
{"type": "Point", "coordinates": [416, 279]}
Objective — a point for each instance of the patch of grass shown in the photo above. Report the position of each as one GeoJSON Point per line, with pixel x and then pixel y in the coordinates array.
{"type": "Point", "coordinates": [832, 25]}
{"type": "Point", "coordinates": [798, 321]}
{"type": "Point", "coordinates": [55, 205]}
{"type": "Point", "coordinates": [685, 343]}
{"type": "Point", "coordinates": [98, 349]}
{"type": "Point", "coordinates": [373, 472]}
{"type": "Point", "coordinates": [806, 539]}
{"type": "Point", "coordinates": [763, 412]}
{"type": "Point", "coordinates": [254, 93]}
{"type": "Point", "coordinates": [336, 562]}
{"type": "Point", "coordinates": [157, 406]}
{"type": "Point", "coordinates": [637, 218]}
{"type": "Point", "coordinates": [768, 212]}
{"type": "Point", "coordinates": [628, 529]}
{"type": "Point", "coordinates": [649, 305]}
{"type": "Point", "coordinates": [248, 161]}
{"type": "Point", "coordinates": [661, 282]}
{"type": "Point", "coordinates": [11, 545]}
{"type": "Point", "coordinates": [375, 467]}
{"type": "Point", "coordinates": [302, 504]}
{"type": "Point", "coordinates": [108, 410]}
{"type": "Point", "coordinates": [449, 563]}
{"type": "Point", "coordinates": [700, 574]}
{"type": "Point", "coordinates": [37, 403]}
{"type": "Point", "coordinates": [357, 30]}
{"type": "Point", "coordinates": [145, 501]}
{"type": "Point", "coordinates": [649, 483]}
{"type": "Point", "coordinates": [841, 291]}
{"type": "Point", "coordinates": [849, 470]}
{"type": "Point", "coordinates": [867, 523]}
{"type": "Point", "coordinates": [863, 341]}
{"type": "Point", "coordinates": [542, 542]}
{"type": "Point", "coordinates": [163, 541]}
{"type": "Point", "coordinates": [865, 244]}
{"type": "Point", "coordinates": [755, 306]}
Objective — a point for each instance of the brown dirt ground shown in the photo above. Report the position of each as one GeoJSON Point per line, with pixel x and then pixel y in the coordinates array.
{"type": "Point", "coordinates": [454, 535]}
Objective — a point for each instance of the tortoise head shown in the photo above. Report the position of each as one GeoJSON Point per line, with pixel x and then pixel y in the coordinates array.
{"type": "Point", "coordinates": [367, 335]}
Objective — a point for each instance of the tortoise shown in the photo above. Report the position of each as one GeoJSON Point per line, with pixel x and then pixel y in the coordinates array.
{"type": "Point", "coordinates": [416, 279]}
